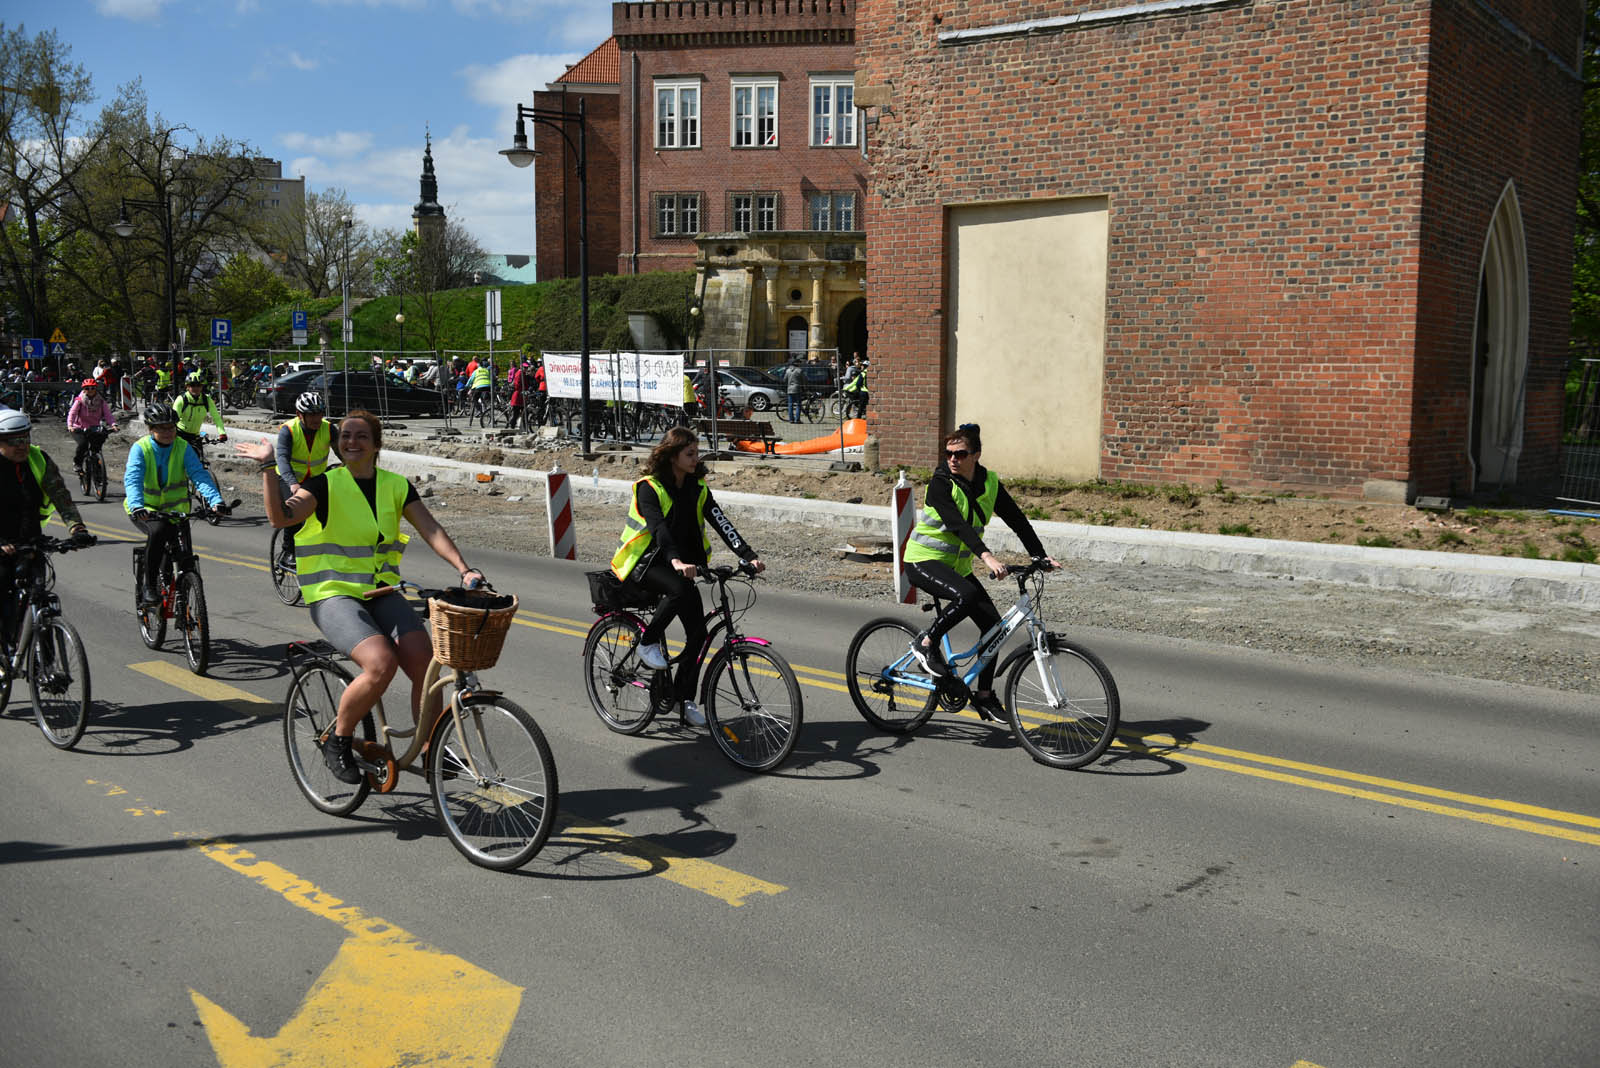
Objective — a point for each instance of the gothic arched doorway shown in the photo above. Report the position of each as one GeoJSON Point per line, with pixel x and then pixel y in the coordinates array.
{"type": "Point", "coordinates": [1500, 348]}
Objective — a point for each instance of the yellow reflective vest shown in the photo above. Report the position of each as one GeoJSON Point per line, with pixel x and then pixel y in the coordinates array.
{"type": "Point", "coordinates": [636, 537]}
{"type": "Point", "coordinates": [311, 458]}
{"type": "Point", "coordinates": [481, 376]}
{"type": "Point", "coordinates": [932, 539]}
{"type": "Point", "coordinates": [36, 462]}
{"type": "Point", "coordinates": [172, 493]}
{"type": "Point", "coordinates": [355, 551]}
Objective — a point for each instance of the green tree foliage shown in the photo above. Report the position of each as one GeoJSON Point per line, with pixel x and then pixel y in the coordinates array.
{"type": "Point", "coordinates": [245, 288]}
{"type": "Point", "coordinates": [663, 295]}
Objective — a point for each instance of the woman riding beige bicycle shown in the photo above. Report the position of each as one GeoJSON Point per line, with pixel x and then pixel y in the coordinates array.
{"type": "Point", "coordinates": [348, 560]}
{"type": "Point", "coordinates": [664, 542]}
{"type": "Point", "coordinates": [962, 497]}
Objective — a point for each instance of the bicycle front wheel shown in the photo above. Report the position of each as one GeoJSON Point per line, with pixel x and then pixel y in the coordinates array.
{"type": "Point", "coordinates": [58, 681]}
{"type": "Point", "coordinates": [152, 620]}
{"type": "Point", "coordinates": [193, 622]}
{"type": "Point", "coordinates": [97, 478]}
{"type": "Point", "coordinates": [309, 712]}
{"type": "Point", "coordinates": [753, 706]}
{"type": "Point", "coordinates": [1064, 706]}
{"type": "Point", "coordinates": [285, 579]}
{"type": "Point", "coordinates": [887, 684]}
{"type": "Point", "coordinates": [493, 780]}
{"type": "Point", "coordinates": [618, 684]}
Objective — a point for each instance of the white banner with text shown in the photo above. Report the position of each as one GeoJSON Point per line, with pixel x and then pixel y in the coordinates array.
{"type": "Point", "coordinates": [631, 377]}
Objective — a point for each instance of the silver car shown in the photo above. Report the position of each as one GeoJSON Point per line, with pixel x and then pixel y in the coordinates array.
{"type": "Point", "coordinates": [749, 387]}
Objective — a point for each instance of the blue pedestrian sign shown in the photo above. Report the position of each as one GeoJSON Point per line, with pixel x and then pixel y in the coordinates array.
{"type": "Point", "coordinates": [58, 348]}
{"type": "Point", "coordinates": [300, 321]}
{"type": "Point", "coordinates": [33, 348]}
{"type": "Point", "coordinates": [221, 332]}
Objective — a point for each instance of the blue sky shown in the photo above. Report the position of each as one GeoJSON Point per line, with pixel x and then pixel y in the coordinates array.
{"type": "Point", "coordinates": [341, 90]}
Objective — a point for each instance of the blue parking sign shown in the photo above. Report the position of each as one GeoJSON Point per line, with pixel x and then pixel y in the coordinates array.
{"type": "Point", "coordinates": [221, 332]}
{"type": "Point", "coordinates": [299, 320]}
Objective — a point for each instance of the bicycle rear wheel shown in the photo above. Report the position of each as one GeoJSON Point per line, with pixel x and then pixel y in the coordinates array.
{"type": "Point", "coordinates": [309, 712]}
{"type": "Point", "coordinates": [889, 687]}
{"type": "Point", "coordinates": [1073, 727]}
{"type": "Point", "coordinates": [193, 622]}
{"type": "Point", "coordinates": [493, 781]}
{"type": "Point", "coordinates": [285, 579]}
{"type": "Point", "coordinates": [618, 684]}
{"type": "Point", "coordinates": [753, 706]}
{"type": "Point", "coordinates": [58, 682]}
{"type": "Point", "coordinates": [153, 620]}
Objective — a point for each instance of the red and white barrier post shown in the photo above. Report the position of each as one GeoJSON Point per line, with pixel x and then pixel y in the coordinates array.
{"type": "Point", "coordinates": [902, 517]}
{"type": "Point", "coordinates": [558, 500]}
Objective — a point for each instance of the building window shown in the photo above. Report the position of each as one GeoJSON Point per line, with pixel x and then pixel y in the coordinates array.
{"type": "Point", "coordinates": [678, 114]}
{"type": "Point", "coordinates": [755, 113]}
{"type": "Point", "coordinates": [832, 211]}
{"type": "Point", "coordinates": [676, 214]}
{"type": "Point", "coordinates": [833, 111]}
{"type": "Point", "coordinates": [750, 212]}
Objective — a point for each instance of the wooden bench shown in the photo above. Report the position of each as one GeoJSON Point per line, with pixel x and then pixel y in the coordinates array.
{"type": "Point", "coordinates": [739, 430]}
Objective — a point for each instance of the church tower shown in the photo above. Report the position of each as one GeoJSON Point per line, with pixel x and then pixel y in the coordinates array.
{"type": "Point", "coordinates": [428, 216]}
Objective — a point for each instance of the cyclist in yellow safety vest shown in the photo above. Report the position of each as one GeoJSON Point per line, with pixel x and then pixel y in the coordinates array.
{"type": "Point", "coordinates": [664, 542]}
{"type": "Point", "coordinates": [156, 479]}
{"type": "Point", "coordinates": [301, 451]}
{"type": "Point", "coordinates": [348, 559]}
{"type": "Point", "coordinates": [481, 379]}
{"type": "Point", "coordinates": [962, 497]}
{"type": "Point", "coordinates": [31, 489]}
{"type": "Point", "coordinates": [194, 407]}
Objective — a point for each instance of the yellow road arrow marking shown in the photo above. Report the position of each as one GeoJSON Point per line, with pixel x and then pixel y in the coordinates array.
{"type": "Point", "coordinates": [386, 999]}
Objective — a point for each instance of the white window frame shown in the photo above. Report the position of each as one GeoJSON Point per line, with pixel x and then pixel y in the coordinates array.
{"type": "Point", "coordinates": [766, 209]}
{"type": "Point", "coordinates": [677, 206]}
{"type": "Point", "coordinates": [682, 127]}
{"type": "Point", "coordinates": [833, 199]}
{"type": "Point", "coordinates": [747, 91]}
{"type": "Point", "coordinates": [749, 209]}
{"type": "Point", "coordinates": [836, 128]}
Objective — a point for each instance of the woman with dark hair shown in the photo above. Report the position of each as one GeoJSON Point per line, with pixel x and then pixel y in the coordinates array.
{"type": "Point", "coordinates": [962, 497]}
{"type": "Point", "coordinates": [348, 557]}
{"type": "Point", "coordinates": [664, 542]}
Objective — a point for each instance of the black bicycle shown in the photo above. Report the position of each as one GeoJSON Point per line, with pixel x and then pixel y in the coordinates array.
{"type": "Point", "coordinates": [93, 472]}
{"type": "Point", "coordinates": [181, 595]}
{"type": "Point", "coordinates": [47, 650]}
{"type": "Point", "coordinates": [281, 565]}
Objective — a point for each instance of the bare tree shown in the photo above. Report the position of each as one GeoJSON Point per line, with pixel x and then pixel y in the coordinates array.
{"type": "Point", "coordinates": [313, 244]}
{"type": "Point", "coordinates": [439, 264]}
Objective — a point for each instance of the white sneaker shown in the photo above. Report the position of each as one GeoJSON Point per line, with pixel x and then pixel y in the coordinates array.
{"type": "Point", "coordinates": [692, 713]}
{"type": "Point", "coordinates": [654, 656]}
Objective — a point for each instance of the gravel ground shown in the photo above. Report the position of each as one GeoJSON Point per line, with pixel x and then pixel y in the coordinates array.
{"type": "Point", "coordinates": [1539, 646]}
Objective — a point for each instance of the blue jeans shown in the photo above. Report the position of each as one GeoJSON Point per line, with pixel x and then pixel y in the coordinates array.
{"type": "Point", "coordinates": [794, 407]}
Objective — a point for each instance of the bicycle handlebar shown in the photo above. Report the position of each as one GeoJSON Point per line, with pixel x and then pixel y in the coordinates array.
{"type": "Point", "coordinates": [723, 572]}
{"type": "Point", "coordinates": [44, 543]}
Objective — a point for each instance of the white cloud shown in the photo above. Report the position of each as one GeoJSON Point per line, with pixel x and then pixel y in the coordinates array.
{"type": "Point", "coordinates": [579, 23]}
{"type": "Point", "coordinates": [130, 9]}
{"type": "Point", "coordinates": [515, 79]}
{"type": "Point", "coordinates": [340, 143]}
{"type": "Point", "coordinates": [299, 62]}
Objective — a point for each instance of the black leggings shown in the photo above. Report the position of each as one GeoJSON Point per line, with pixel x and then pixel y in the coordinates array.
{"type": "Point", "coordinates": [159, 534]}
{"type": "Point", "coordinates": [963, 596]}
{"type": "Point", "coordinates": [683, 604]}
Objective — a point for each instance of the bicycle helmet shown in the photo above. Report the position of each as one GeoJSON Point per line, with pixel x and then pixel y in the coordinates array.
{"type": "Point", "coordinates": [14, 422]}
{"type": "Point", "coordinates": [310, 402]}
{"type": "Point", "coordinates": [159, 414]}
{"type": "Point", "coordinates": [91, 383]}
{"type": "Point", "coordinates": [195, 379]}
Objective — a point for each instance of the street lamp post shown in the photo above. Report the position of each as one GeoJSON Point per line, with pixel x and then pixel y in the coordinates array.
{"type": "Point", "coordinates": [124, 228]}
{"type": "Point", "coordinates": [521, 155]}
{"type": "Point", "coordinates": [344, 295]}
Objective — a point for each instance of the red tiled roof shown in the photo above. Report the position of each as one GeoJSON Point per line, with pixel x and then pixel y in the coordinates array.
{"type": "Point", "coordinates": [603, 66]}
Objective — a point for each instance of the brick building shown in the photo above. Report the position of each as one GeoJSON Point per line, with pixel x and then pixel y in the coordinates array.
{"type": "Point", "coordinates": [729, 119]}
{"type": "Point", "coordinates": [1313, 245]}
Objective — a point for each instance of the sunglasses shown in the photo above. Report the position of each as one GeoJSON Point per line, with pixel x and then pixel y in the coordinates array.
{"type": "Point", "coordinates": [20, 439]}
{"type": "Point", "coordinates": [958, 454]}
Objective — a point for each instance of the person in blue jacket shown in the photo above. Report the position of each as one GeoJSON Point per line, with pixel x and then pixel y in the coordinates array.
{"type": "Point", "coordinates": [160, 468]}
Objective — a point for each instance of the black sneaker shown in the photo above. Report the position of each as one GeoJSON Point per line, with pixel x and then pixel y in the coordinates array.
{"type": "Point", "coordinates": [929, 656]}
{"type": "Point", "coordinates": [989, 707]}
{"type": "Point", "coordinates": [336, 752]}
{"type": "Point", "coordinates": [149, 599]}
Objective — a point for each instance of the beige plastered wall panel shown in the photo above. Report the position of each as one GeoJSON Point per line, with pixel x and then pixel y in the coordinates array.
{"type": "Point", "coordinates": [1027, 332]}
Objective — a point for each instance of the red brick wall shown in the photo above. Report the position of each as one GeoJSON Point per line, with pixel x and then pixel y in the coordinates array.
{"type": "Point", "coordinates": [556, 185]}
{"type": "Point", "coordinates": [1267, 167]}
{"type": "Point", "coordinates": [714, 40]}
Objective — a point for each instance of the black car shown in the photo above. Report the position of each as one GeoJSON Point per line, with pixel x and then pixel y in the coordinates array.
{"type": "Point", "coordinates": [343, 391]}
{"type": "Point", "coordinates": [280, 395]}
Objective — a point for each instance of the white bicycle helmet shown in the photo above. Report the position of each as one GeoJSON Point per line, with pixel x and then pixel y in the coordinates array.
{"type": "Point", "coordinates": [309, 402]}
{"type": "Point", "coordinates": [14, 422]}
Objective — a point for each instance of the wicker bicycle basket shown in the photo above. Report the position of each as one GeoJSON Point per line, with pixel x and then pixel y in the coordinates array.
{"type": "Point", "coordinates": [469, 627]}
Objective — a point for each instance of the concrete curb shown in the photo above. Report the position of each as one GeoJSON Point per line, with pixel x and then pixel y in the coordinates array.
{"type": "Point", "coordinates": [1459, 575]}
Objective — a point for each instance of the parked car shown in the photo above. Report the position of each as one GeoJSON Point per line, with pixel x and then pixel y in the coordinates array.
{"type": "Point", "coordinates": [392, 395]}
{"type": "Point", "coordinates": [279, 396]}
{"type": "Point", "coordinates": [745, 387]}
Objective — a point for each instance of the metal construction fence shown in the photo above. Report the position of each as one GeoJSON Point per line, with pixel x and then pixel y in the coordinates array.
{"type": "Point", "coordinates": [1580, 438]}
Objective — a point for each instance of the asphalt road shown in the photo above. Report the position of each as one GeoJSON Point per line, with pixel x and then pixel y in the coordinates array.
{"type": "Point", "coordinates": [1282, 864]}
